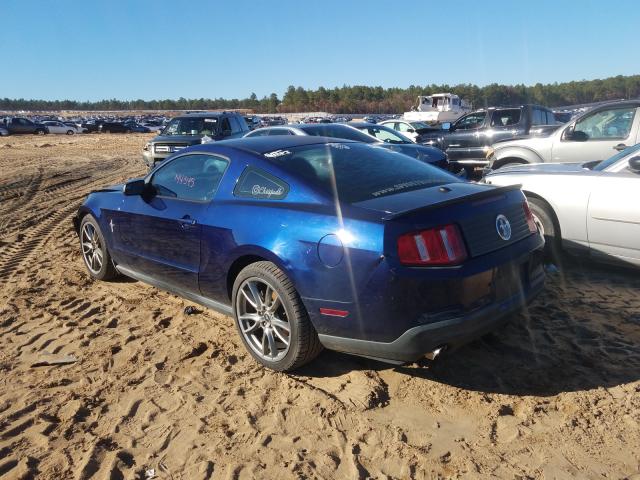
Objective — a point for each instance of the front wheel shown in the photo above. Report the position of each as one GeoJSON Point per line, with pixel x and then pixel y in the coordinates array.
{"type": "Point", "coordinates": [547, 225]}
{"type": "Point", "coordinates": [70, 132]}
{"type": "Point", "coordinates": [94, 250]}
{"type": "Point", "coordinates": [271, 319]}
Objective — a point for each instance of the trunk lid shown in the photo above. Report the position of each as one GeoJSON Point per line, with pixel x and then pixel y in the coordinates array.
{"type": "Point", "coordinates": [474, 208]}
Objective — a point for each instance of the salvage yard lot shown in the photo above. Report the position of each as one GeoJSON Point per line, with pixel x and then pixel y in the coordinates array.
{"type": "Point", "coordinates": [556, 393]}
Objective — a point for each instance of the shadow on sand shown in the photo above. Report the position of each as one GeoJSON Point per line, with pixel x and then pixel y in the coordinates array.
{"type": "Point", "coordinates": [583, 332]}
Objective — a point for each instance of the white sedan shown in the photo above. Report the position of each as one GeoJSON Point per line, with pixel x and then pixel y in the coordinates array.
{"type": "Point", "coordinates": [61, 128]}
{"type": "Point", "coordinates": [591, 207]}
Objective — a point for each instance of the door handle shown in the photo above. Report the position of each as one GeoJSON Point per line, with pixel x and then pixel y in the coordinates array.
{"type": "Point", "coordinates": [620, 147]}
{"type": "Point", "coordinates": [186, 222]}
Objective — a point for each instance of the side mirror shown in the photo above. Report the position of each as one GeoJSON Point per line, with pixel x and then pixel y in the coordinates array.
{"type": "Point", "coordinates": [411, 130]}
{"type": "Point", "coordinates": [576, 136]}
{"type": "Point", "coordinates": [134, 187]}
{"type": "Point", "coordinates": [446, 126]}
{"type": "Point", "coordinates": [634, 164]}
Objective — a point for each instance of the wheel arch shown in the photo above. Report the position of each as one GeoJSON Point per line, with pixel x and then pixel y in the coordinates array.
{"type": "Point", "coordinates": [249, 255]}
{"type": "Point", "coordinates": [550, 209]}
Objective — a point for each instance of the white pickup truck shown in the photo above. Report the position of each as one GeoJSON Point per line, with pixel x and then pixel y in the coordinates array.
{"type": "Point", "coordinates": [595, 135]}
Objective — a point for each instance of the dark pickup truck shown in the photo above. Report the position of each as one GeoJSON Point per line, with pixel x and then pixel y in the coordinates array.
{"type": "Point", "coordinates": [18, 125]}
{"type": "Point", "coordinates": [468, 140]}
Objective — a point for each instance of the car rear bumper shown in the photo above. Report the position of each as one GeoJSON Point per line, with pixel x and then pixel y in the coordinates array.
{"type": "Point", "coordinates": [449, 333]}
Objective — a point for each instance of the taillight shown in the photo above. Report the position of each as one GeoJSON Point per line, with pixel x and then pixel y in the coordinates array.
{"type": "Point", "coordinates": [436, 246]}
{"type": "Point", "coordinates": [529, 216]}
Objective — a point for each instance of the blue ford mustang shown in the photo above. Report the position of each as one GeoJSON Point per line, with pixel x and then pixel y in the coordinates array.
{"type": "Point", "coordinates": [312, 242]}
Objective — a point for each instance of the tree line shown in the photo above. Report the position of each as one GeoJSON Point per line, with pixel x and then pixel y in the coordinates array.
{"type": "Point", "coordinates": [365, 99]}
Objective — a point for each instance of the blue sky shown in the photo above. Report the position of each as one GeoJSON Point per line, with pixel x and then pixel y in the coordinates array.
{"type": "Point", "coordinates": [89, 50]}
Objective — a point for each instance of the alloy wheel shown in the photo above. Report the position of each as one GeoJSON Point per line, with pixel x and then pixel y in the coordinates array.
{"type": "Point", "coordinates": [91, 248]}
{"type": "Point", "coordinates": [263, 319]}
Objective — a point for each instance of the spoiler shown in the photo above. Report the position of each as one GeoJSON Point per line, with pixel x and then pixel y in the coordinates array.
{"type": "Point", "coordinates": [474, 197]}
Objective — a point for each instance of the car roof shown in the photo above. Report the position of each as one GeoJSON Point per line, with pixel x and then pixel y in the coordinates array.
{"type": "Point", "coordinates": [363, 124]}
{"type": "Point", "coordinates": [262, 145]}
{"type": "Point", "coordinates": [205, 114]}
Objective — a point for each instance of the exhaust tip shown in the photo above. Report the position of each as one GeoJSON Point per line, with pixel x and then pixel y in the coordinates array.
{"type": "Point", "coordinates": [436, 352]}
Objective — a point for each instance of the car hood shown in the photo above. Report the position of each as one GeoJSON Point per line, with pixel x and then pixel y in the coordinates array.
{"type": "Point", "coordinates": [439, 195]}
{"type": "Point", "coordinates": [183, 139]}
{"type": "Point", "coordinates": [540, 168]}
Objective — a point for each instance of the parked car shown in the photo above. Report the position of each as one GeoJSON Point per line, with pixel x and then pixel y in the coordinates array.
{"type": "Point", "coordinates": [78, 126]}
{"type": "Point", "coordinates": [312, 242]}
{"type": "Point", "coordinates": [60, 128]}
{"type": "Point", "coordinates": [114, 127]}
{"type": "Point", "coordinates": [415, 131]}
{"type": "Point", "coordinates": [92, 126]}
{"type": "Point", "coordinates": [593, 136]}
{"type": "Point", "coordinates": [425, 154]}
{"type": "Point", "coordinates": [590, 208]}
{"type": "Point", "coordinates": [468, 140]}
{"type": "Point", "coordinates": [21, 125]}
{"type": "Point", "coordinates": [190, 129]}
{"type": "Point", "coordinates": [135, 127]}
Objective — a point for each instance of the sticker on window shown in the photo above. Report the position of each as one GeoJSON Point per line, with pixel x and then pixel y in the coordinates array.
{"type": "Point", "coordinates": [258, 184]}
{"type": "Point", "coordinates": [210, 120]}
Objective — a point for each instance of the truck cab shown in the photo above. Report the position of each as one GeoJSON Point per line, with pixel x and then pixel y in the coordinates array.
{"type": "Point", "coordinates": [468, 140]}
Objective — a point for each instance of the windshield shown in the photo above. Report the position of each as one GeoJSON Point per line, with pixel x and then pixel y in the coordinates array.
{"type": "Point", "coordinates": [385, 134]}
{"type": "Point", "coordinates": [191, 126]}
{"type": "Point", "coordinates": [618, 156]}
{"type": "Point", "coordinates": [337, 131]}
{"type": "Point", "coordinates": [355, 172]}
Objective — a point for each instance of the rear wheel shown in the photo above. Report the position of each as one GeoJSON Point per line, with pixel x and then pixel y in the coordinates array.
{"type": "Point", "coordinates": [70, 132]}
{"type": "Point", "coordinates": [94, 250]}
{"type": "Point", "coordinates": [271, 319]}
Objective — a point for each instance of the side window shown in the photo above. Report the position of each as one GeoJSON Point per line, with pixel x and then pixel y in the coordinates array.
{"type": "Point", "coordinates": [538, 117]}
{"type": "Point", "coordinates": [279, 131]}
{"type": "Point", "coordinates": [607, 124]}
{"type": "Point", "coordinates": [505, 117]}
{"type": "Point", "coordinates": [235, 125]}
{"type": "Point", "coordinates": [259, 133]}
{"type": "Point", "coordinates": [403, 127]}
{"type": "Point", "coordinates": [471, 121]}
{"type": "Point", "coordinates": [190, 177]}
{"type": "Point", "coordinates": [256, 183]}
{"type": "Point", "coordinates": [225, 125]}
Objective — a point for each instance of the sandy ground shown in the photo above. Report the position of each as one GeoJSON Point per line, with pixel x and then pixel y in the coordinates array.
{"type": "Point", "coordinates": [555, 394]}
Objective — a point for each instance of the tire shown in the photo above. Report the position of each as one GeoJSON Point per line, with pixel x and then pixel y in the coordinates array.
{"type": "Point", "coordinates": [40, 132]}
{"type": "Point", "coordinates": [548, 226]}
{"type": "Point", "coordinates": [88, 247]}
{"type": "Point", "coordinates": [70, 132]}
{"type": "Point", "coordinates": [261, 335]}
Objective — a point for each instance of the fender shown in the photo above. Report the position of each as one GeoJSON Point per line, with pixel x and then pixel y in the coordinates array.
{"type": "Point", "coordinates": [524, 153]}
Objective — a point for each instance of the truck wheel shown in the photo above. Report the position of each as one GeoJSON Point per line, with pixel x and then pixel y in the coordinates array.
{"type": "Point", "coordinates": [547, 224]}
{"type": "Point", "coordinates": [271, 319]}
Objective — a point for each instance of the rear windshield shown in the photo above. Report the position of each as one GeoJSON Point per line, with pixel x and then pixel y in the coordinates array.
{"type": "Point", "coordinates": [191, 126]}
{"type": "Point", "coordinates": [356, 172]}
{"type": "Point", "coordinates": [337, 131]}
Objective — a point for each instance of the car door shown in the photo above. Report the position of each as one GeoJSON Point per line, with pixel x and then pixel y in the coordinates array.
{"type": "Point", "coordinates": [158, 234]}
{"type": "Point", "coordinates": [598, 135]}
{"type": "Point", "coordinates": [613, 216]}
{"type": "Point", "coordinates": [504, 124]}
{"type": "Point", "coordinates": [464, 139]}
{"type": "Point", "coordinates": [55, 127]}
